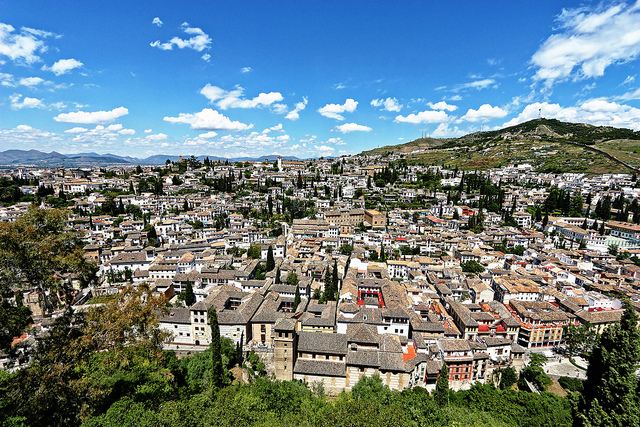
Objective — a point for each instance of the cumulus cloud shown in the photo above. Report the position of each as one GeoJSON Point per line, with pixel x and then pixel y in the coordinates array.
{"type": "Point", "coordinates": [31, 81]}
{"type": "Point", "coordinates": [245, 70]}
{"type": "Point", "coordinates": [208, 119]}
{"type": "Point", "coordinates": [442, 106]}
{"type": "Point", "coordinates": [324, 150]}
{"type": "Point", "coordinates": [352, 127]}
{"type": "Point", "coordinates": [198, 41]}
{"type": "Point", "coordinates": [18, 103]}
{"type": "Point", "coordinates": [206, 57]}
{"type": "Point", "coordinates": [76, 130]}
{"type": "Point", "coordinates": [233, 98]}
{"type": "Point", "coordinates": [389, 104]}
{"type": "Point", "coordinates": [95, 117]}
{"type": "Point", "coordinates": [484, 113]}
{"type": "Point", "coordinates": [294, 114]}
{"type": "Point", "coordinates": [23, 46]}
{"type": "Point", "coordinates": [334, 111]}
{"type": "Point", "coordinates": [444, 131]}
{"type": "Point", "coordinates": [63, 66]}
{"type": "Point", "coordinates": [591, 40]}
{"type": "Point", "coordinates": [208, 135]}
{"type": "Point", "coordinates": [595, 111]}
{"type": "Point", "coordinates": [429, 116]}
{"type": "Point", "coordinates": [157, 21]}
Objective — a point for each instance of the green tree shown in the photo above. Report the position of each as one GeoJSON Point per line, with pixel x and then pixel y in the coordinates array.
{"type": "Point", "coordinates": [217, 374]}
{"type": "Point", "coordinates": [152, 237]}
{"type": "Point", "coordinates": [441, 393]}
{"type": "Point", "coordinates": [189, 296]}
{"type": "Point", "coordinates": [296, 298]}
{"type": "Point", "coordinates": [278, 275]}
{"type": "Point", "coordinates": [37, 252]}
{"type": "Point", "coordinates": [472, 266]}
{"type": "Point", "coordinates": [254, 252]}
{"type": "Point", "coordinates": [610, 392]}
{"type": "Point", "coordinates": [292, 279]}
{"type": "Point", "coordinates": [271, 263]}
{"type": "Point", "coordinates": [508, 377]}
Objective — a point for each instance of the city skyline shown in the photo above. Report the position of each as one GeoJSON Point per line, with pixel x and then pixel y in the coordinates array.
{"type": "Point", "coordinates": [305, 80]}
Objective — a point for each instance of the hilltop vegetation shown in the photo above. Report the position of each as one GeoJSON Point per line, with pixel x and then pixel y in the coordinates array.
{"type": "Point", "coordinates": [546, 144]}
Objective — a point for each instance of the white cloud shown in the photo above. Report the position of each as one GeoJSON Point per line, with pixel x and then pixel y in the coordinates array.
{"type": "Point", "coordinates": [198, 42]}
{"type": "Point", "coordinates": [76, 130]}
{"type": "Point", "coordinates": [477, 84]}
{"type": "Point", "coordinates": [595, 111]}
{"type": "Point", "coordinates": [333, 111]}
{"type": "Point", "coordinates": [148, 130]}
{"type": "Point", "coordinates": [157, 21]}
{"type": "Point", "coordinates": [127, 132]}
{"type": "Point", "coordinates": [389, 104]}
{"type": "Point", "coordinates": [206, 57]}
{"type": "Point", "coordinates": [335, 141]}
{"type": "Point", "coordinates": [208, 135]}
{"type": "Point", "coordinates": [30, 81]}
{"type": "Point", "coordinates": [484, 113]}
{"type": "Point", "coordinates": [208, 119]}
{"type": "Point", "coordinates": [22, 47]}
{"type": "Point", "coordinates": [591, 41]}
{"type": "Point", "coordinates": [634, 94]}
{"type": "Point", "coordinates": [233, 98]}
{"type": "Point", "coordinates": [17, 103]}
{"type": "Point", "coordinates": [442, 106]}
{"type": "Point", "coordinates": [629, 80]}
{"type": "Point", "coordinates": [293, 114]}
{"type": "Point", "coordinates": [443, 131]}
{"type": "Point", "coordinates": [94, 117]}
{"type": "Point", "coordinates": [156, 137]}
{"type": "Point", "coordinates": [63, 66]}
{"type": "Point", "coordinates": [324, 150]}
{"type": "Point", "coordinates": [429, 116]}
{"type": "Point", "coordinates": [245, 70]}
{"type": "Point", "coordinates": [352, 127]}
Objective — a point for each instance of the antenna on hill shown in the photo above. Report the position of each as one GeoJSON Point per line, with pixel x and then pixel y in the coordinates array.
{"type": "Point", "coordinates": [539, 113]}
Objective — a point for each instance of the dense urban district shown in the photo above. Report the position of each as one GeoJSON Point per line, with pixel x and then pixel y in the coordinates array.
{"type": "Point", "coordinates": [375, 289]}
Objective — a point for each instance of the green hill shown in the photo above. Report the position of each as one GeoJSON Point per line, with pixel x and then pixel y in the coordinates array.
{"type": "Point", "coordinates": [547, 144]}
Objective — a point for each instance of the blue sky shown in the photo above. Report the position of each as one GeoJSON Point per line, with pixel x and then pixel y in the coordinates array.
{"type": "Point", "coordinates": [305, 78]}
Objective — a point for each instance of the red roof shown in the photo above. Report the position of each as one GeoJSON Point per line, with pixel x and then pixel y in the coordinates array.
{"type": "Point", "coordinates": [483, 328]}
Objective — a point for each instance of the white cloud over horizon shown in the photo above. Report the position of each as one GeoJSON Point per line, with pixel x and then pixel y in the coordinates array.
{"type": "Point", "coordinates": [95, 117]}
{"type": "Point", "coordinates": [208, 119]}
{"type": "Point", "coordinates": [428, 116]}
{"type": "Point", "coordinates": [485, 113]}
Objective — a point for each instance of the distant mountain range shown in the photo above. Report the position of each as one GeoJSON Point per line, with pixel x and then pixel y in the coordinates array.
{"type": "Point", "coordinates": [53, 159]}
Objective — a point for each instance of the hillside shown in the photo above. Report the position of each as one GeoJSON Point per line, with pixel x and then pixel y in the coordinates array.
{"type": "Point", "coordinates": [548, 144]}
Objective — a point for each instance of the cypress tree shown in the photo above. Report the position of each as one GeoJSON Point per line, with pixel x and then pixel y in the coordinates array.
{"type": "Point", "coordinates": [328, 285]}
{"type": "Point", "coordinates": [217, 375]}
{"type": "Point", "coordinates": [278, 276]}
{"type": "Point", "coordinates": [610, 391]}
{"type": "Point", "coordinates": [334, 281]}
{"type": "Point", "coordinates": [189, 296]}
{"type": "Point", "coordinates": [441, 393]}
{"type": "Point", "coordinates": [296, 298]}
{"type": "Point", "coordinates": [271, 263]}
